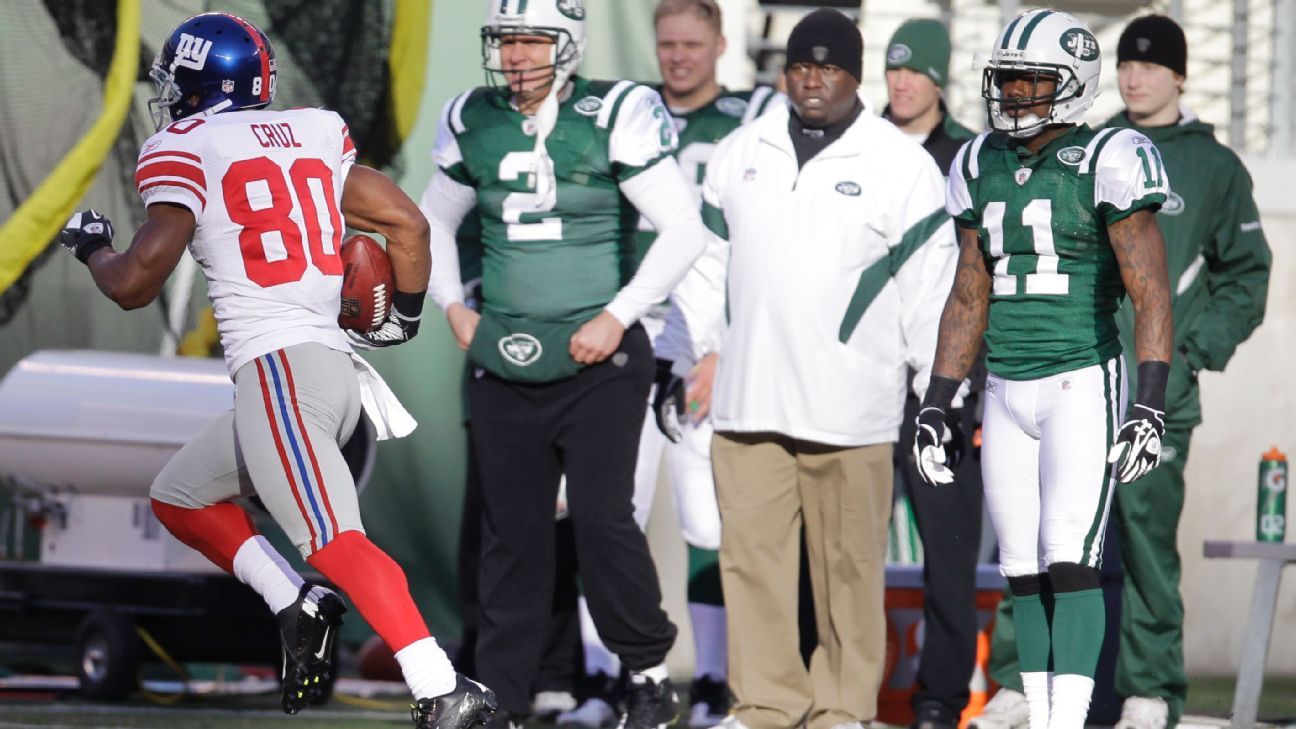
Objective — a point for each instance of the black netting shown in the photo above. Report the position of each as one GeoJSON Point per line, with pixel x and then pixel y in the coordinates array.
{"type": "Point", "coordinates": [348, 73]}
{"type": "Point", "coordinates": [87, 29]}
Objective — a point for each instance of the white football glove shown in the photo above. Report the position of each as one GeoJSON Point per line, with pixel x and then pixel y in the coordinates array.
{"type": "Point", "coordinates": [1137, 449]}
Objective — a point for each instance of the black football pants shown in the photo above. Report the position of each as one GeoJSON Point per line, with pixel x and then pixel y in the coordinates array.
{"type": "Point", "coordinates": [949, 524]}
{"type": "Point", "coordinates": [525, 437]}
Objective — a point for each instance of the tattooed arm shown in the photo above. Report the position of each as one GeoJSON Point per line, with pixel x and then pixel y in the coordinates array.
{"type": "Point", "coordinates": [1140, 251]}
{"type": "Point", "coordinates": [961, 326]}
{"type": "Point", "coordinates": [964, 319]}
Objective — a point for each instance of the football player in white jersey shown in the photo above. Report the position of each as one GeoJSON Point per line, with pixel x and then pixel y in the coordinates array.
{"type": "Point", "coordinates": [259, 198]}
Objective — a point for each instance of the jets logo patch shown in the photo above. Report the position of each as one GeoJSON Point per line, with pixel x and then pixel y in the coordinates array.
{"type": "Point", "coordinates": [574, 9]}
{"type": "Point", "coordinates": [899, 53]}
{"type": "Point", "coordinates": [731, 106]}
{"type": "Point", "coordinates": [1071, 155]}
{"type": "Point", "coordinates": [589, 106]}
{"type": "Point", "coordinates": [848, 188]}
{"type": "Point", "coordinates": [521, 349]}
{"type": "Point", "coordinates": [1022, 175]}
{"type": "Point", "coordinates": [1174, 205]}
{"type": "Point", "coordinates": [1080, 43]}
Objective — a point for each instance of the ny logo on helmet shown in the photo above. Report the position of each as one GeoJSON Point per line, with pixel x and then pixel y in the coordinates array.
{"type": "Point", "coordinates": [1080, 43]}
{"type": "Point", "coordinates": [192, 52]}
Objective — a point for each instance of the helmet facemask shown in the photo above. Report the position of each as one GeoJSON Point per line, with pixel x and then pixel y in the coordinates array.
{"type": "Point", "coordinates": [168, 94]}
{"type": "Point", "coordinates": [1067, 88]}
{"type": "Point", "coordinates": [564, 55]}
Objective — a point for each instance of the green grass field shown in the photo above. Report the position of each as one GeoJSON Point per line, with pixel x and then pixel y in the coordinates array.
{"type": "Point", "coordinates": [1208, 697]}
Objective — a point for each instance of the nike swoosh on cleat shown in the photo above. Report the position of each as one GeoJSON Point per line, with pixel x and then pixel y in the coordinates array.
{"type": "Point", "coordinates": [323, 644]}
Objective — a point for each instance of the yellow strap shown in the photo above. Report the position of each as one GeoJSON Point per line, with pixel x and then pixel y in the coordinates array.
{"type": "Point", "coordinates": [407, 61]}
{"type": "Point", "coordinates": [40, 217]}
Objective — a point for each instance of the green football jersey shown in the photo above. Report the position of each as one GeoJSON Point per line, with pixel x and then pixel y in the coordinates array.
{"type": "Point", "coordinates": [701, 130]}
{"type": "Point", "coordinates": [1042, 223]}
{"type": "Point", "coordinates": [564, 258]}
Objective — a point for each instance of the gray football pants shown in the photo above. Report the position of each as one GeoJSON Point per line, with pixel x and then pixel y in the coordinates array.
{"type": "Point", "coordinates": [292, 409]}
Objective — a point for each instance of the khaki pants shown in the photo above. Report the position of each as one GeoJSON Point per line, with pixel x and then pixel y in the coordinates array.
{"type": "Point", "coordinates": [767, 485]}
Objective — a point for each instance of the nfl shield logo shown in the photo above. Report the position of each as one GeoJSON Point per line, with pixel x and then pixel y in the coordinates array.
{"type": "Point", "coordinates": [1022, 175]}
{"type": "Point", "coordinates": [227, 86]}
{"type": "Point", "coordinates": [749, 174]}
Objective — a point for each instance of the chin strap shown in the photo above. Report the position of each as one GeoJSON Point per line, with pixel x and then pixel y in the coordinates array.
{"type": "Point", "coordinates": [546, 118]}
{"type": "Point", "coordinates": [546, 180]}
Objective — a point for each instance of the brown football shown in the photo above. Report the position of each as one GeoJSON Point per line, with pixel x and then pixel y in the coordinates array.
{"type": "Point", "coordinates": [367, 284]}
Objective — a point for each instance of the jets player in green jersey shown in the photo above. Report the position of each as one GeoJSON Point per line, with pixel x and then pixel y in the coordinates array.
{"type": "Point", "coordinates": [689, 42]}
{"type": "Point", "coordinates": [1219, 261]}
{"type": "Point", "coordinates": [558, 169]}
{"type": "Point", "coordinates": [1056, 226]}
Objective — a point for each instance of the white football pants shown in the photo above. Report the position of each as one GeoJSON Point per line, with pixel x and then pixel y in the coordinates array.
{"type": "Point", "coordinates": [1048, 486]}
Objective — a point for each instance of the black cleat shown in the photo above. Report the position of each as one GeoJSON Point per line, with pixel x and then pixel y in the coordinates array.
{"type": "Point", "coordinates": [307, 631]}
{"type": "Point", "coordinates": [934, 715]}
{"type": "Point", "coordinates": [649, 704]}
{"type": "Point", "coordinates": [709, 702]}
{"type": "Point", "coordinates": [470, 704]}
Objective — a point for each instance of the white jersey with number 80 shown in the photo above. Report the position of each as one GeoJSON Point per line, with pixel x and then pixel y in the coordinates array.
{"type": "Point", "coordinates": [265, 189]}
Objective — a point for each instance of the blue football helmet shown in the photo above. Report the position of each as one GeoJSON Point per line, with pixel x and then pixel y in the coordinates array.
{"type": "Point", "coordinates": [212, 62]}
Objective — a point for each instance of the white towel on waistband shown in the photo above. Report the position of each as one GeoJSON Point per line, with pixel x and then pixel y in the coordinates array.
{"type": "Point", "coordinates": [388, 416]}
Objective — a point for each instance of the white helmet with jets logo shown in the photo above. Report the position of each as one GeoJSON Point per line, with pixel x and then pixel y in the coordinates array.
{"type": "Point", "coordinates": [561, 20]}
{"type": "Point", "coordinates": [1042, 44]}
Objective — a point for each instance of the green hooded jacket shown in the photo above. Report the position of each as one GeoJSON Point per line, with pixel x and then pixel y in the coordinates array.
{"type": "Point", "coordinates": [1216, 254]}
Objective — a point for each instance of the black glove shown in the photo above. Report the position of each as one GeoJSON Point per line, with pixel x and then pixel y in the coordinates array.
{"type": "Point", "coordinates": [668, 401]}
{"type": "Point", "coordinates": [400, 326]}
{"type": "Point", "coordinates": [930, 457]}
{"type": "Point", "coordinates": [1137, 449]}
{"type": "Point", "coordinates": [938, 425]}
{"type": "Point", "coordinates": [1138, 445]}
{"type": "Point", "coordinates": [85, 233]}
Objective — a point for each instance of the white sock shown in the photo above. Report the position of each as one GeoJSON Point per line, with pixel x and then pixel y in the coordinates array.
{"type": "Point", "coordinates": [259, 566]}
{"type": "Point", "coordinates": [426, 668]}
{"type": "Point", "coordinates": [709, 641]}
{"type": "Point", "coordinates": [1036, 687]}
{"type": "Point", "coordinates": [656, 674]}
{"type": "Point", "coordinates": [598, 659]}
{"type": "Point", "coordinates": [1070, 706]}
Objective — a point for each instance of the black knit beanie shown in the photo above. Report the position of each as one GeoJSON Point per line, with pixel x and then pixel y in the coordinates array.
{"type": "Point", "coordinates": [827, 36]}
{"type": "Point", "coordinates": [1154, 39]}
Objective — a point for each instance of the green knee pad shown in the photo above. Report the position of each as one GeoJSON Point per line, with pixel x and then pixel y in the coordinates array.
{"type": "Point", "coordinates": [704, 577]}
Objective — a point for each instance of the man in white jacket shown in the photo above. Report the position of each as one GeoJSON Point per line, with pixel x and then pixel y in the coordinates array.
{"type": "Point", "coordinates": [829, 236]}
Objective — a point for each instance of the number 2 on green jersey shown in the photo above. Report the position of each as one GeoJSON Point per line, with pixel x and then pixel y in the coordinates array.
{"type": "Point", "coordinates": [513, 166]}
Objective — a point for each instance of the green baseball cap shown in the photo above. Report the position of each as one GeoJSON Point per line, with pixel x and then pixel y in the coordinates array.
{"type": "Point", "coordinates": [921, 44]}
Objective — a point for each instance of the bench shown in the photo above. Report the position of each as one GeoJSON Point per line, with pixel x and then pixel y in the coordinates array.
{"type": "Point", "coordinates": [1255, 646]}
